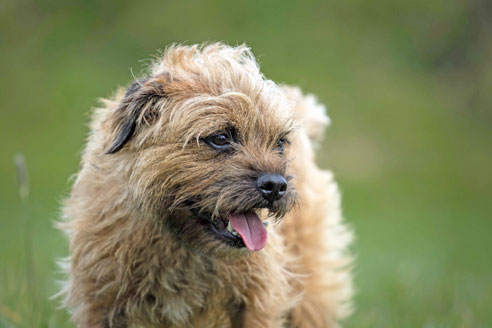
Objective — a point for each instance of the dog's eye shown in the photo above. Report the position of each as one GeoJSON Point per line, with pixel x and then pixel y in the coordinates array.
{"type": "Point", "coordinates": [280, 145]}
{"type": "Point", "coordinates": [219, 141]}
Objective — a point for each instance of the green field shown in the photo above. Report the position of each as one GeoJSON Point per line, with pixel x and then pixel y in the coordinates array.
{"type": "Point", "coordinates": [408, 86]}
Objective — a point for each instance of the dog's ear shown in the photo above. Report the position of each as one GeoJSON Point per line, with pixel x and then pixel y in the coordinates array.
{"type": "Point", "coordinates": [139, 105]}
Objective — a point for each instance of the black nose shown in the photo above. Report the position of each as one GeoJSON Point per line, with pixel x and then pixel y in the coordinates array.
{"type": "Point", "coordinates": [272, 186]}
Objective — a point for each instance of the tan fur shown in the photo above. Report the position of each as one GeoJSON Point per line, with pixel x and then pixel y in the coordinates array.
{"type": "Point", "coordinates": [138, 258]}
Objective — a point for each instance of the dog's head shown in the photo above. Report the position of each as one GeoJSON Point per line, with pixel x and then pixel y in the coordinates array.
{"type": "Point", "coordinates": [203, 146]}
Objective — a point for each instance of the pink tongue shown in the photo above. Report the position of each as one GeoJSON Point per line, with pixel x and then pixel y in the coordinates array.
{"type": "Point", "coordinates": [251, 230]}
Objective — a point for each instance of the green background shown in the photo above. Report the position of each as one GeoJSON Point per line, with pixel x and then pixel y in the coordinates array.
{"type": "Point", "coordinates": [408, 85]}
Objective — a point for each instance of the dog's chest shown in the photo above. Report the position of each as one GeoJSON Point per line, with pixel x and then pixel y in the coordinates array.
{"type": "Point", "coordinates": [215, 307]}
{"type": "Point", "coordinates": [199, 293]}
{"type": "Point", "coordinates": [228, 314]}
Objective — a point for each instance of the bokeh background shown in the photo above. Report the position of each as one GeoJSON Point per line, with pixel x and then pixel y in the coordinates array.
{"type": "Point", "coordinates": [408, 85]}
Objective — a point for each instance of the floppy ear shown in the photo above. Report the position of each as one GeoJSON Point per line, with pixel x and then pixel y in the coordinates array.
{"type": "Point", "coordinates": [138, 104]}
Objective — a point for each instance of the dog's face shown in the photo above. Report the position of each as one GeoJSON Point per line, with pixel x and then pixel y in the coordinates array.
{"type": "Point", "coordinates": [209, 160]}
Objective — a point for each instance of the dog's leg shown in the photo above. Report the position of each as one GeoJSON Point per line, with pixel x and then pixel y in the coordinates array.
{"type": "Point", "coordinates": [94, 301]}
{"type": "Point", "coordinates": [90, 315]}
{"type": "Point", "coordinates": [93, 314]}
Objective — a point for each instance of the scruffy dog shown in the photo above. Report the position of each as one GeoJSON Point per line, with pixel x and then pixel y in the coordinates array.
{"type": "Point", "coordinates": [198, 203]}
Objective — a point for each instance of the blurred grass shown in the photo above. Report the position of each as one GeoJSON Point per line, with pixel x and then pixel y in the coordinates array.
{"type": "Point", "coordinates": [408, 86]}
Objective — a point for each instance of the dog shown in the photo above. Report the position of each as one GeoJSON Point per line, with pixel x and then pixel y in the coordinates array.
{"type": "Point", "coordinates": [198, 203]}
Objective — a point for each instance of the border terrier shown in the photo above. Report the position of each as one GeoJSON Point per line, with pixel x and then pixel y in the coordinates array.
{"type": "Point", "coordinates": [198, 203]}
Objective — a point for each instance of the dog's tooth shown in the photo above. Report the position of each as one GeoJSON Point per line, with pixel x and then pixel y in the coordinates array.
{"type": "Point", "coordinates": [229, 227]}
{"type": "Point", "coordinates": [234, 233]}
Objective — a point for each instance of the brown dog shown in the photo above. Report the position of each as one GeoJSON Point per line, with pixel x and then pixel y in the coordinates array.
{"type": "Point", "coordinates": [168, 215]}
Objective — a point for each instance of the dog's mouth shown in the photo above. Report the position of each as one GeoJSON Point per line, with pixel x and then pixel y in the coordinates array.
{"type": "Point", "coordinates": [238, 230]}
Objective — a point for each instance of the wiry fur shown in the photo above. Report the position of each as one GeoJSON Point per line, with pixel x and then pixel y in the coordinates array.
{"type": "Point", "coordinates": [138, 258]}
